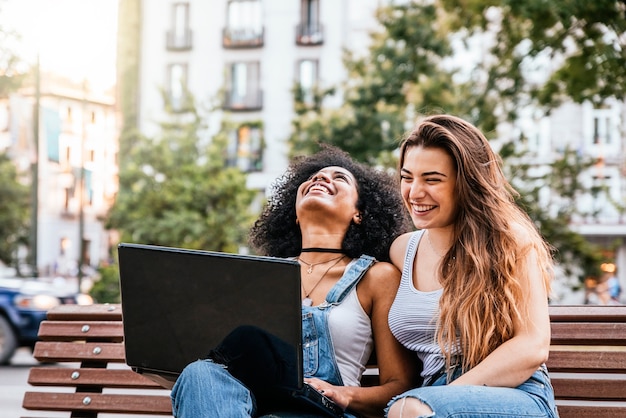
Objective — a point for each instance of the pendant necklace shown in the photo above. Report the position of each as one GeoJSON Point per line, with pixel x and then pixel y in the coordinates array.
{"type": "Point", "coordinates": [432, 247]}
{"type": "Point", "coordinates": [311, 265]}
{"type": "Point", "coordinates": [430, 243]}
{"type": "Point", "coordinates": [307, 301]}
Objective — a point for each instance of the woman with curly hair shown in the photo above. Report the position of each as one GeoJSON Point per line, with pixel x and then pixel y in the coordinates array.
{"type": "Point", "coordinates": [337, 218]}
{"type": "Point", "coordinates": [473, 298]}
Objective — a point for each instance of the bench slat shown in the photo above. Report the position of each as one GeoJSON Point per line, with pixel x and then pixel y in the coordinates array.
{"type": "Point", "coordinates": [105, 403]}
{"type": "Point", "coordinates": [64, 376]}
{"type": "Point", "coordinates": [599, 410]}
{"type": "Point", "coordinates": [73, 352]}
{"type": "Point", "coordinates": [587, 313]}
{"type": "Point", "coordinates": [588, 333]}
{"type": "Point", "coordinates": [589, 388]}
{"type": "Point", "coordinates": [587, 361]}
{"type": "Point", "coordinates": [112, 331]}
{"type": "Point", "coordinates": [97, 312]}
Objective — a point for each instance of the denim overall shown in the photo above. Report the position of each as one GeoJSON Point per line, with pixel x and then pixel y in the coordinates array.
{"type": "Point", "coordinates": [316, 341]}
{"type": "Point", "coordinates": [207, 388]}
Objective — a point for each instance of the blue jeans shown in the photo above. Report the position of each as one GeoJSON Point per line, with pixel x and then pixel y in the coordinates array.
{"type": "Point", "coordinates": [208, 390]}
{"type": "Point", "coordinates": [216, 393]}
{"type": "Point", "coordinates": [533, 398]}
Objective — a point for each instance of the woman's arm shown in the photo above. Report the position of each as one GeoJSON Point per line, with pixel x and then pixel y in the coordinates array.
{"type": "Point", "coordinates": [517, 359]}
{"type": "Point", "coordinates": [398, 367]}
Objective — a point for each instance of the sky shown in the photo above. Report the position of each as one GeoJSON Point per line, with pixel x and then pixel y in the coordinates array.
{"type": "Point", "coordinates": [74, 38]}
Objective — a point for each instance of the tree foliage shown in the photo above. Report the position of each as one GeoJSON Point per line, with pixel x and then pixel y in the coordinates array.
{"type": "Point", "coordinates": [482, 60]}
{"type": "Point", "coordinates": [12, 72]}
{"type": "Point", "coordinates": [14, 196]}
{"type": "Point", "coordinates": [584, 42]}
{"type": "Point", "coordinates": [175, 190]}
{"type": "Point", "coordinates": [14, 212]}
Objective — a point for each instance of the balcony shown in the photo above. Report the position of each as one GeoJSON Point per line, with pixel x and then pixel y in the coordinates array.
{"type": "Point", "coordinates": [252, 101]}
{"type": "Point", "coordinates": [242, 38]}
{"type": "Point", "coordinates": [309, 34]}
{"type": "Point", "coordinates": [178, 42]}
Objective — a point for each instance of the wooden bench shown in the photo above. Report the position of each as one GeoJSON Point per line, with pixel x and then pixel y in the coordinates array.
{"type": "Point", "coordinates": [587, 364]}
{"type": "Point", "coordinates": [90, 338]}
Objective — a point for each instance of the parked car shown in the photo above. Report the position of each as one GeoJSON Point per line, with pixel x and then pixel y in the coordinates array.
{"type": "Point", "coordinates": [24, 303]}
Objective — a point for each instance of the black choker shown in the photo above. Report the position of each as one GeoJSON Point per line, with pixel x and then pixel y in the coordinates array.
{"type": "Point", "coordinates": [322, 250]}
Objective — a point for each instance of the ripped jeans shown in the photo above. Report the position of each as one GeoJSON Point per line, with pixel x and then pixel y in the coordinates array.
{"type": "Point", "coordinates": [533, 398]}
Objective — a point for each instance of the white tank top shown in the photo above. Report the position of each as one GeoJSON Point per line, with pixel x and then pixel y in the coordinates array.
{"type": "Point", "coordinates": [413, 315]}
{"type": "Point", "coordinates": [351, 333]}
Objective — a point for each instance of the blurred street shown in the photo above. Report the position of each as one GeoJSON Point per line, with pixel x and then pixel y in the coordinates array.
{"type": "Point", "coordinates": [13, 384]}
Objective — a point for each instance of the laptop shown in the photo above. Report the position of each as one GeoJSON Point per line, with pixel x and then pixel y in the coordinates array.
{"type": "Point", "coordinates": [178, 304]}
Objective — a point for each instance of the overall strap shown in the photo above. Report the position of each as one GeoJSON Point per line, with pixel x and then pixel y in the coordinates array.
{"type": "Point", "coordinates": [350, 278]}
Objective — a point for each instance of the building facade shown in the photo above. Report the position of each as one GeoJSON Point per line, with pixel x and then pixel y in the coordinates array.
{"type": "Point", "coordinates": [76, 153]}
{"type": "Point", "coordinates": [243, 58]}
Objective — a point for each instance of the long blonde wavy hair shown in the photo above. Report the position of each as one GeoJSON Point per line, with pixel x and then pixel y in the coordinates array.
{"type": "Point", "coordinates": [482, 293]}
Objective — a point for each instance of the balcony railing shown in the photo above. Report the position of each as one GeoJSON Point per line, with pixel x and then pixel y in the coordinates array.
{"type": "Point", "coordinates": [251, 101]}
{"type": "Point", "coordinates": [243, 37]}
{"type": "Point", "coordinates": [176, 42]}
{"type": "Point", "coordinates": [309, 34]}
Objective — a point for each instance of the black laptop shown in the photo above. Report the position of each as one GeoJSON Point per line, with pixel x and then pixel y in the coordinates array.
{"type": "Point", "coordinates": [178, 304]}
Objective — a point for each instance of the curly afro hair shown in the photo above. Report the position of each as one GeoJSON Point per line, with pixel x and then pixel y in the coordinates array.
{"type": "Point", "coordinates": [275, 233]}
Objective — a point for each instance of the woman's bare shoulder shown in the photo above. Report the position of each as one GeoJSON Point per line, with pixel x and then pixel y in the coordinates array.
{"type": "Point", "coordinates": [398, 249]}
{"type": "Point", "coordinates": [382, 275]}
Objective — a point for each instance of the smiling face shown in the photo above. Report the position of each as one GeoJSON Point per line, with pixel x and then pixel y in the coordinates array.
{"type": "Point", "coordinates": [332, 188]}
{"type": "Point", "coordinates": [428, 181]}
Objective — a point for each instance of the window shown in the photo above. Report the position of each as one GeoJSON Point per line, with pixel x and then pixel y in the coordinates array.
{"type": "Point", "coordinates": [245, 149]}
{"type": "Point", "coordinates": [309, 31]}
{"type": "Point", "coordinates": [64, 245]}
{"type": "Point", "coordinates": [244, 92]}
{"type": "Point", "coordinates": [244, 24]}
{"type": "Point", "coordinates": [307, 79]}
{"type": "Point", "coordinates": [86, 252]}
{"type": "Point", "coordinates": [601, 128]}
{"type": "Point", "coordinates": [179, 37]}
{"type": "Point", "coordinates": [177, 86]}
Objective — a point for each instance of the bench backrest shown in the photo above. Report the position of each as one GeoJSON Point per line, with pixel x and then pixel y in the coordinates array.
{"type": "Point", "coordinates": [587, 364]}
{"type": "Point", "coordinates": [587, 361]}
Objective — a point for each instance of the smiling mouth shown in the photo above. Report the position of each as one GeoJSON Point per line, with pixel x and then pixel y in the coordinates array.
{"type": "Point", "coordinates": [423, 208]}
{"type": "Point", "coordinates": [318, 187]}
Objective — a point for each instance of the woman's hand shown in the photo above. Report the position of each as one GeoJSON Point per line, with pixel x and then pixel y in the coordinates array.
{"type": "Point", "coordinates": [337, 394]}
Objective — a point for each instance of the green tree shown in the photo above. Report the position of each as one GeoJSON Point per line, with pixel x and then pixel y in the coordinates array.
{"type": "Point", "coordinates": [411, 70]}
{"type": "Point", "coordinates": [12, 71]}
{"type": "Point", "coordinates": [582, 42]}
{"type": "Point", "coordinates": [14, 212]}
{"type": "Point", "coordinates": [176, 190]}
{"type": "Point", "coordinates": [14, 196]}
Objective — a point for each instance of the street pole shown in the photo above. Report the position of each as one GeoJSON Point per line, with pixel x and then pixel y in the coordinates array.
{"type": "Point", "coordinates": [81, 183]}
{"type": "Point", "coordinates": [35, 175]}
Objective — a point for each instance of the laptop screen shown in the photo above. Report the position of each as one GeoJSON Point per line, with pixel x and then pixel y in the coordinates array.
{"type": "Point", "coordinates": [178, 304]}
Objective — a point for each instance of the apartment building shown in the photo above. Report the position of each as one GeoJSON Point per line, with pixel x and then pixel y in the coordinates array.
{"type": "Point", "coordinates": [246, 55]}
{"type": "Point", "coordinates": [76, 151]}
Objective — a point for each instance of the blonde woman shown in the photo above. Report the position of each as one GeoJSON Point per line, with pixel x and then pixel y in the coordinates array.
{"type": "Point", "coordinates": [473, 298]}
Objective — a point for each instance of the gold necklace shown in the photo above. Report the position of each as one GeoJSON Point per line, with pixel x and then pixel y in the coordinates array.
{"type": "Point", "coordinates": [307, 301]}
{"type": "Point", "coordinates": [311, 265]}
{"type": "Point", "coordinates": [432, 246]}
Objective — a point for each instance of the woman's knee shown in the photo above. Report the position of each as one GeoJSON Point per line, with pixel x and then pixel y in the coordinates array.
{"type": "Point", "coordinates": [199, 370]}
{"type": "Point", "coordinates": [408, 407]}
